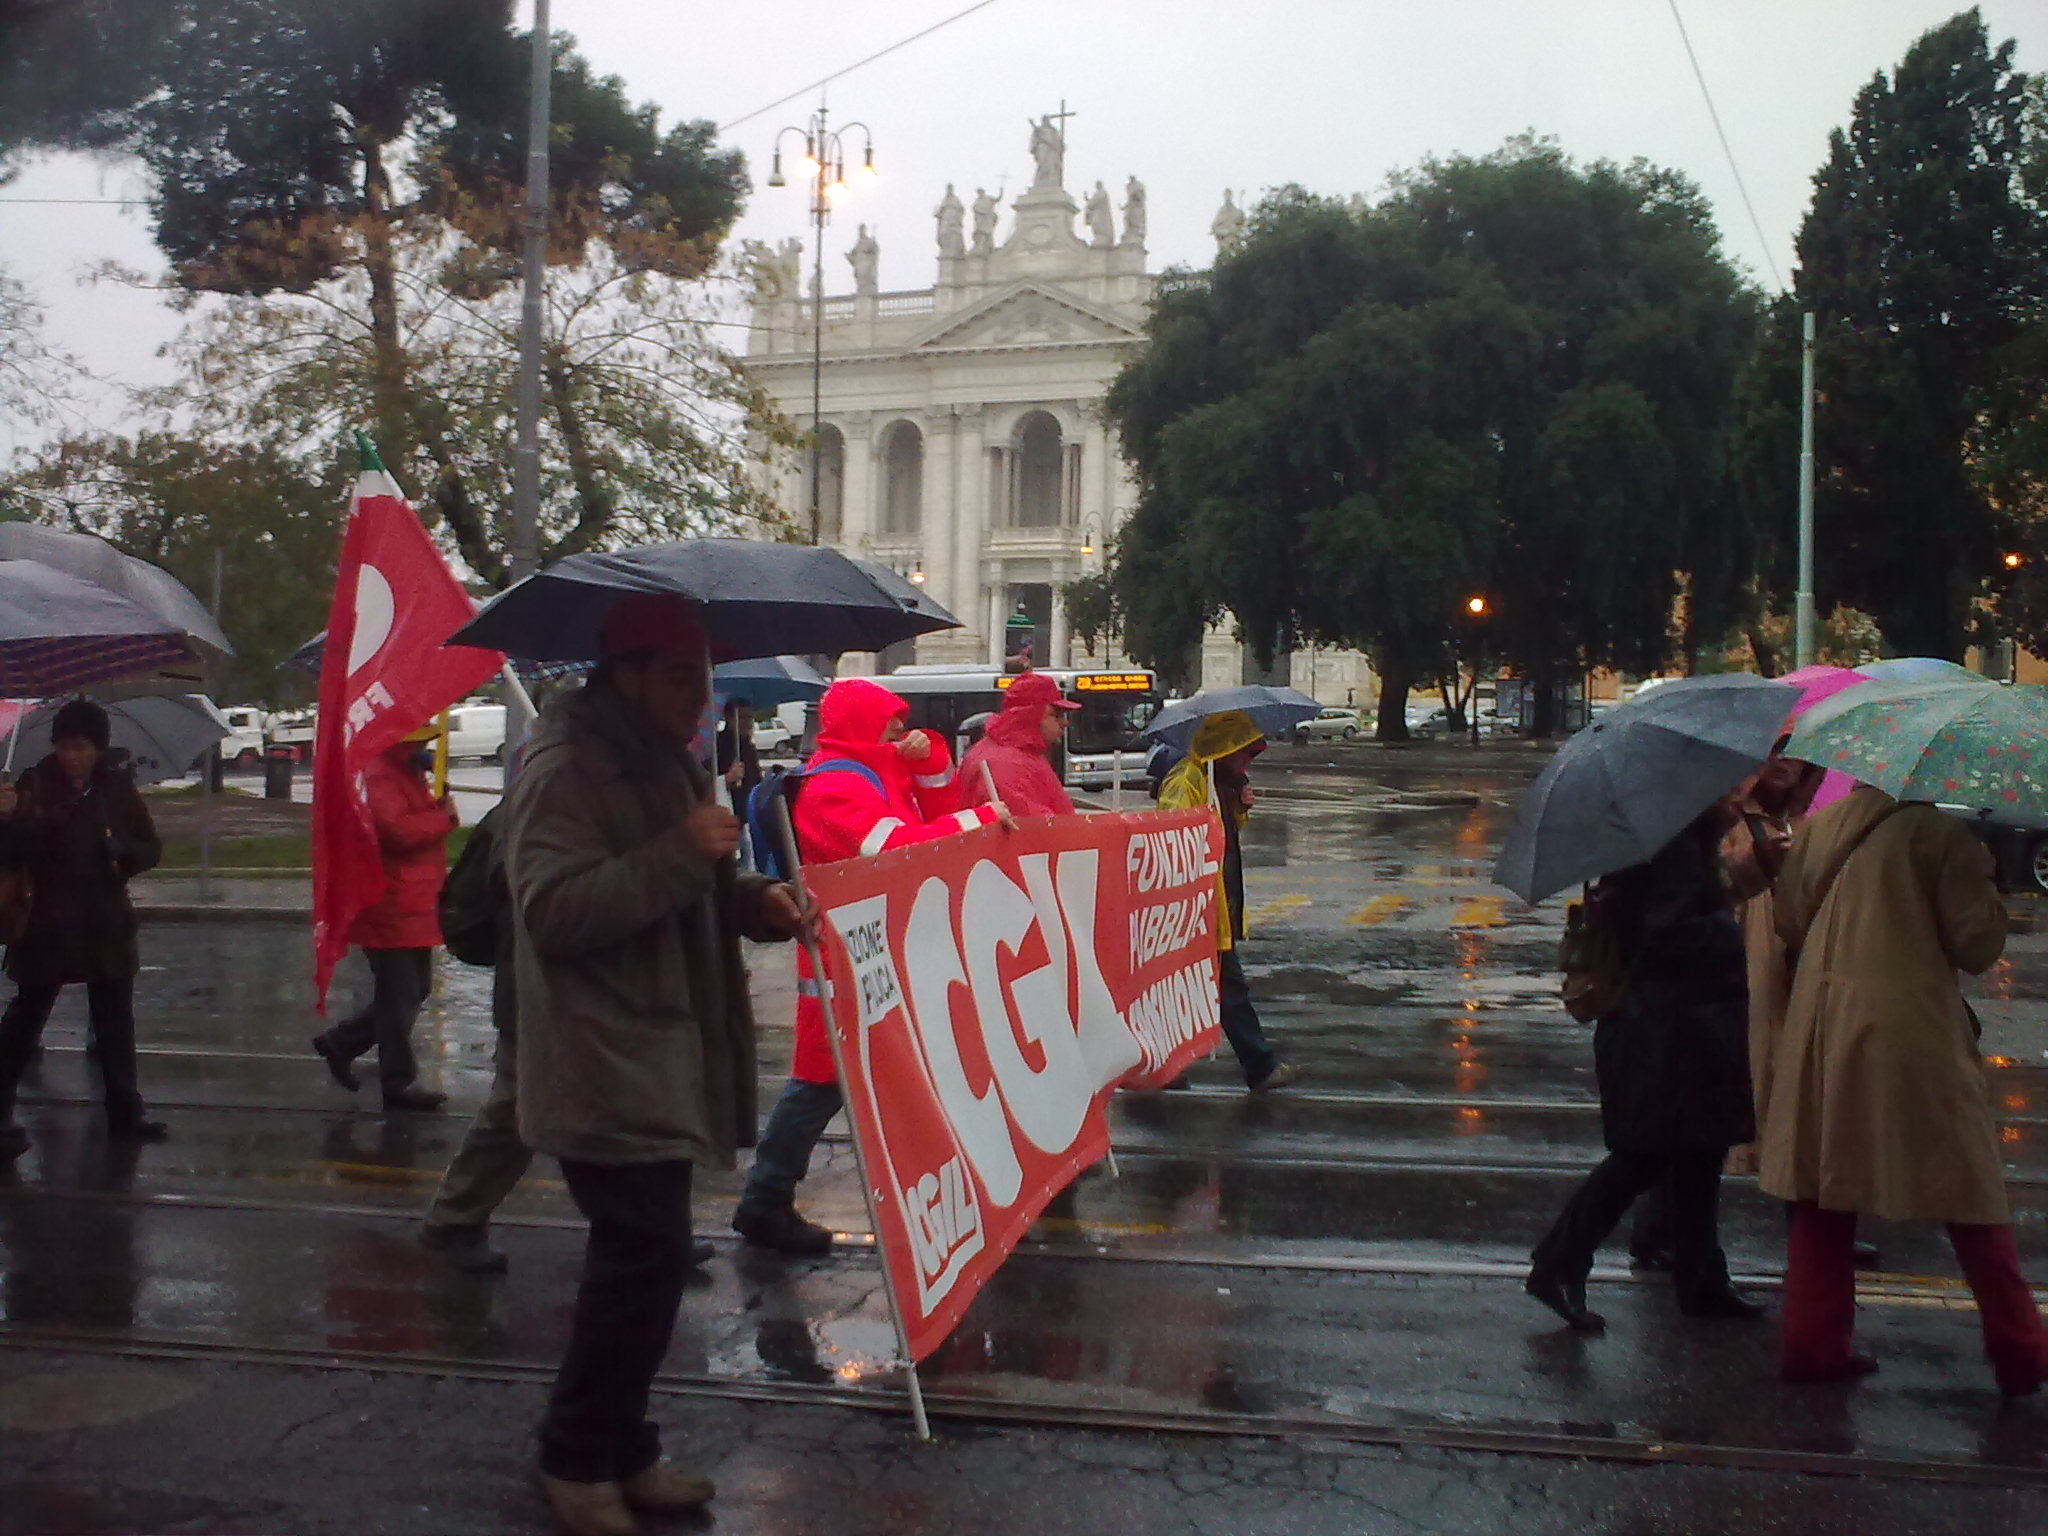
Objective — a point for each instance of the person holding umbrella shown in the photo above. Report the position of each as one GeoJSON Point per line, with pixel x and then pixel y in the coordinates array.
{"type": "Point", "coordinates": [1877, 1104]}
{"type": "Point", "coordinates": [1643, 798]}
{"type": "Point", "coordinates": [78, 832]}
{"type": "Point", "coordinates": [1216, 773]}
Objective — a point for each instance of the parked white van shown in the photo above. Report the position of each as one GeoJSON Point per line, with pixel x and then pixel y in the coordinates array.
{"type": "Point", "coordinates": [243, 744]}
{"type": "Point", "coordinates": [478, 731]}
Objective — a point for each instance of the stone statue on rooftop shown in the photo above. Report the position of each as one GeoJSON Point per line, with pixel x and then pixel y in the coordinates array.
{"type": "Point", "coordinates": [1228, 225]}
{"type": "Point", "coordinates": [952, 217]}
{"type": "Point", "coordinates": [1101, 222]}
{"type": "Point", "coordinates": [984, 224]}
{"type": "Point", "coordinates": [1134, 212]}
{"type": "Point", "coordinates": [865, 258]}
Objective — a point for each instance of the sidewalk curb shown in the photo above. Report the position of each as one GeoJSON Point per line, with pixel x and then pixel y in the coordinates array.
{"type": "Point", "coordinates": [196, 912]}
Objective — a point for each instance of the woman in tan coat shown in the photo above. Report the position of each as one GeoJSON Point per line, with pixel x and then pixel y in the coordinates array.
{"type": "Point", "coordinates": [1875, 1101]}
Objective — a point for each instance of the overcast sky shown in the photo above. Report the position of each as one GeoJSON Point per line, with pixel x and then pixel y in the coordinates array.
{"type": "Point", "coordinates": [1192, 96]}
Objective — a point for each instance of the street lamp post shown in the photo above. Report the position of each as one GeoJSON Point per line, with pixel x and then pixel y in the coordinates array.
{"type": "Point", "coordinates": [825, 154]}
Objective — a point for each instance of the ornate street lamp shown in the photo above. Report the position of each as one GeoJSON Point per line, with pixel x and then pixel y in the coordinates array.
{"type": "Point", "coordinates": [825, 161]}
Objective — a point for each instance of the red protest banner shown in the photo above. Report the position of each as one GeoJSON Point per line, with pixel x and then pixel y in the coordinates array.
{"type": "Point", "coordinates": [385, 672]}
{"type": "Point", "coordinates": [989, 992]}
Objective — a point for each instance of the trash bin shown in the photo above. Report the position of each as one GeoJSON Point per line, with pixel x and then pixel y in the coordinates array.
{"type": "Point", "coordinates": [277, 773]}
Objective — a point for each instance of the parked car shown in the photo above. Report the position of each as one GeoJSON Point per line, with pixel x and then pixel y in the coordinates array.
{"type": "Point", "coordinates": [291, 732]}
{"type": "Point", "coordinates": [2018, 844]}
{"type": "Point", "coordinates": [243, 745]}
{"type": "Point", "coordinates": [1343, 723]}
{"type": "Point", "coordinates": [478, 731]}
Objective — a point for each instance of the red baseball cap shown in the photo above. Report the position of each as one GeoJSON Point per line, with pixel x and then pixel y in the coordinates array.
{"type": "Point", "coordinates": [1035, 688]}
{"type": "Point", "coordinates": [660, 622]}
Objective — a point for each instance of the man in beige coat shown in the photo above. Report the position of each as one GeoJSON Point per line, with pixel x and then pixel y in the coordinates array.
{"type": "Point", "coordinates": [635, 1032]}
{"type": "Point", "coordinates": [1875, 1101]}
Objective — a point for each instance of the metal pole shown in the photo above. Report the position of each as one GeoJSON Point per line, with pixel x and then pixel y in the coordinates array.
{"type": "Point", "coordinates": [1803, 636]}
{"type": "Point", "coordinates": [532, 313]}
{"type": "Point", "coordinates": [206, 767]}
{"type": "Point", "coordinates": [787, 834]}
{"type": "Point", "coordinates": [818, 211]}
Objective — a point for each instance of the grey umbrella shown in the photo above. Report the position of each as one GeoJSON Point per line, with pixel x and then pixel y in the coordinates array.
{"type": "Point", "coordinates": [150, 588]}
{"type": "Point", "coordinates": [1626, 785]}
{"type": "Point", "coordinates": [59, 633]}
{"type": "Point", "coordinates": [1275, 711]}
{"type": "Point", "coordinates": [759, 600]}
{"type": "Point", "coordinates": [163, 736]}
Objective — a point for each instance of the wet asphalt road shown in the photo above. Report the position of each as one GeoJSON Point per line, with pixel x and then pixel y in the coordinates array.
{"type": "Point", "coordinates": [1338, 1265]}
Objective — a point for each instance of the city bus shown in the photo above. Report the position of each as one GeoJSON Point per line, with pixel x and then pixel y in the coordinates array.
{"type": "Point", "coordinates": [1116, 704]}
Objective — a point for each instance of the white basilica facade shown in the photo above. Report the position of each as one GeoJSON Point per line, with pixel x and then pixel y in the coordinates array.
{"type": "Point", "coordinates": [959, 427]}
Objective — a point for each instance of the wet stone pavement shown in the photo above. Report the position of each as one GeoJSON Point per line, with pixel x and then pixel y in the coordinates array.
{"type": "Point", "coordinates": [1296, 1312]}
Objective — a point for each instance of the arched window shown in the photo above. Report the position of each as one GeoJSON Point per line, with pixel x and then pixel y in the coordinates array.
{"type": "Point", "coordinates": [902, 479]}
{"type": "Point", "coordinates": [1041, 472]}
{"type": "Point", "coordinates": [831, 481]}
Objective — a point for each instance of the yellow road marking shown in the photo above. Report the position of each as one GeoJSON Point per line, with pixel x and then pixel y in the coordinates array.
{"type": "Point", "coordinates": [1378, 910]}
{"type": "Point", "coordinates": [1277, 908]}
{"type": "Point", "coordinates": [1479, 912]}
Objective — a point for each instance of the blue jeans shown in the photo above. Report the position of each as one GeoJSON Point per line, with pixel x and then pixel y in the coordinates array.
{"type": "Point", "coordinates": [1241, 1025]}
{"type": "Point", "coordinates": [783, 1156]}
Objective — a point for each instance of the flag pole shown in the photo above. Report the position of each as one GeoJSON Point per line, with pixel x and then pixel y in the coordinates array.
{"type": "Point", "coordinates": [794, 863]}
{"type": "Point", "coordinates": [441, 756]}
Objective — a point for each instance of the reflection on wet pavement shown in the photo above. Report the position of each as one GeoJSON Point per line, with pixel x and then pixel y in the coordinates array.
{"type": "Point", "coordinates": [1346, 1252]}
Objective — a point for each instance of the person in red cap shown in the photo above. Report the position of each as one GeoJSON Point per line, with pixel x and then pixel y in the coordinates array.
{"type": "Point", "coordinates": [1033, 717]}
{"type": "Point", "coordinates": [871, 785]}
{"type": "Point", "coordinates": [635, 1034]}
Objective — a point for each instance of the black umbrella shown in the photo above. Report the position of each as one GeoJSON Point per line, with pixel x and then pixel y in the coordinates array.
{"type": "Point", "coordinates": [307, 658]}
{"type": "Point", "coordinates": [1626, 785]}
{"type": "Point", "coordinates": [759, 599]}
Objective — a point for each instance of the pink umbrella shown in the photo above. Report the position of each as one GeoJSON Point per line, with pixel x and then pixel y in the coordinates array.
{"type": "Point", "coordinates": [1814, 684]}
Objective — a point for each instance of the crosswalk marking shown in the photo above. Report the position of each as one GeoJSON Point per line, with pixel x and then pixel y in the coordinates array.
{"type": "Point", "coordinates": [1479, 912]}
{"type": "Point", "coordinates": [1378, 910]}
{"type": "Point", "coordinates": [1277, 908]}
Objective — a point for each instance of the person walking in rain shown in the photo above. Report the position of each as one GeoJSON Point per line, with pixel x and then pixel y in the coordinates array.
{"type": "Point", "coordinates": [1229, 742]}
{"type": "Point", "coordinates": [635, 1030]}
{"type": "Point", "coordinates": [1015, 751]}
{"type": "Point", "coordinates": [78, 832]}
{"type": "Point", "coordinates": [872, 784]}
{"type": "Point", "coordinates": [1876, 1102]}
{"type": "Point", "coordinates": [400, 930]}
{"type": "Point", "coordinates": [1672, 1062]}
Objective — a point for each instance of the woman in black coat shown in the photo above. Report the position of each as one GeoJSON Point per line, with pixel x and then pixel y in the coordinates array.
{"type": "Point", "coordinates": [1672, 1059]}
{"type": "Point", "coordinates": [77, 828]}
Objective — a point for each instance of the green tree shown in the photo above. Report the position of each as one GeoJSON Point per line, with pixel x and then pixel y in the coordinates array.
{"type": "Point", "coordinates": [317, 149]}
{"type": "Point", "coordinates": [184, 503]}
{"type": "Point", "coordinates": [1511, 378]}
{"type": "Point", "coordinates": [1924, 255]}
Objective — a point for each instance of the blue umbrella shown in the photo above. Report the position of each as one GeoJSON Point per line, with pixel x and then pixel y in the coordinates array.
{"type": "Point", "coordinates": [1275, 711]}
{"type": "Point", "coordinates": [759, 600]}
{"type": "Point", "coordinates": [768, 681]}
{"type": "Point", "coordinates": [308, 656]}
{"type": "Point", "coordinates": [1626, 785]}
{"type": "Point", "coordinates": [1919, 669]}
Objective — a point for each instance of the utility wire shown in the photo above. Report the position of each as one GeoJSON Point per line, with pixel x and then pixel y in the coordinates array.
{"type": "Point", "coordinates": [1740, 186]}
{"type": "Point", "coordinates": [980, 5]}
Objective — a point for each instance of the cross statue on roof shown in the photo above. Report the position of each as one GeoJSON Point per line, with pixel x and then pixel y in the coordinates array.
{"type": "Point", "coordinates": [1049, 148]}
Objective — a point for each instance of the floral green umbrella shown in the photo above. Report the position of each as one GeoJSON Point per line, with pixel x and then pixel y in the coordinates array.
{"type": "Point", "coordinates": [1960, 741]}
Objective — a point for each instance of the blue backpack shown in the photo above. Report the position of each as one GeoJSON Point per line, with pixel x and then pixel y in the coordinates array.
{"type": "Point", "coordinates": [764, 827]}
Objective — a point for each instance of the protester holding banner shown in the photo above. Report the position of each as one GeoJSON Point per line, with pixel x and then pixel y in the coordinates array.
{"type": "Point", "coordinates": [1216, 773]}
{"type": "Point", "coordinates": [1014, 748]}
{"type": "Point", "coordinates": [635, 1031]}
{"type": "Point", "coordinates": [399, 931]}
{"type": "Point", "coordinates": [872, 785]}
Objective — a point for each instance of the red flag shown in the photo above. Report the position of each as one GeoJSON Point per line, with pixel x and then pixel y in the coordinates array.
{"type": "Point", "coordinates": [386, 672]}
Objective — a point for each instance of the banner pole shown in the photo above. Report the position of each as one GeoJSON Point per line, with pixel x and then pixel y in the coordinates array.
{"type": "Point", "coordinates": [794, 862]}
{"type": "Point", "coordinates": [441, 756]}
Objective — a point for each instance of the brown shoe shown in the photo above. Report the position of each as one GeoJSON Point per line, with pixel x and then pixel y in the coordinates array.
{"type": "Point", "coordinates": [588, 1509]}
{"type": "Point", "coordinates": [663, 1488]}
{"type": "Point", "coordinates": [1279, 1077]}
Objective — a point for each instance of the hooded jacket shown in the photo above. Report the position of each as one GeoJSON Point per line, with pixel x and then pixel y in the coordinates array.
{"type": "Point", "coordinates": [1187, 786]}
{"type": "Point", "coordinates": [1014, 749]}
{"type": "Point", "coordinates": [635, 1031]}
{"type": "Point", "coordinates": [412, 841]}
{"type": "Point", "coordinates": [839, 816]}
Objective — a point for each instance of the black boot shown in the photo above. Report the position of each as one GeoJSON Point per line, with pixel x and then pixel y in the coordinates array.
{"type": "Point", "coordinates": [1565, 1297]}
{"type": "Point", "coordinates": [780, 1228]}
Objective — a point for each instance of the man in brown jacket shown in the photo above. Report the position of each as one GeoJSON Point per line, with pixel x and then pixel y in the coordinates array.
{"type": "Point", "coordinates": [635, 1031]}
{"type": "Point", "coordinates": [1874, 1102]}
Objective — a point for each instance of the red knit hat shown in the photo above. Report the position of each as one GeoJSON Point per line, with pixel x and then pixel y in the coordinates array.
{"type": "Point", "coordinates": [1033, 689]}
{"type": "Point", "coordinates": [660, 622]}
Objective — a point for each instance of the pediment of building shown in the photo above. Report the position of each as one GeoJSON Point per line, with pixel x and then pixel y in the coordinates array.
{"type": "Point", "coordinates": [1024, 315]}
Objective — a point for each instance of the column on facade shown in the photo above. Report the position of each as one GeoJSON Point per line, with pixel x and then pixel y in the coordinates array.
{"type": "Point", "coordinates": [1059, 644]}
{"type": "Point", "coordinates": [998, 612]}
{"type": "Point", "coordinates": [962, 592]}
{"type": "Point", "coordinates": [938, 516]}
{"type": "Point", "coordinates": [857, 490]}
